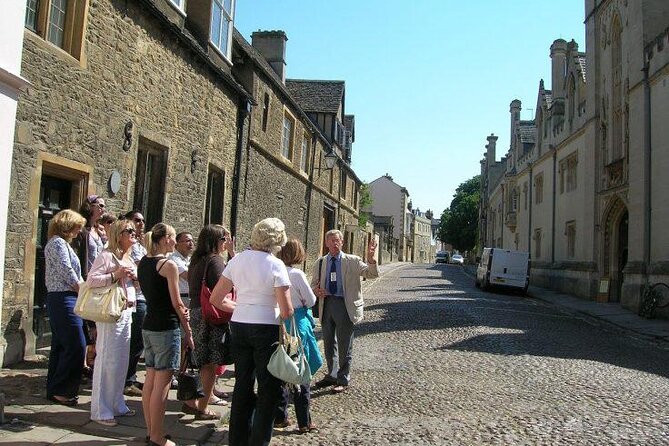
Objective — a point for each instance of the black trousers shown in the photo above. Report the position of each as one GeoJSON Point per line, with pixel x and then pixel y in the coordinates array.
{"type": "Point", "coordinates": [251, 417]}
{"type": "Point", "coordinates": [136, 341]}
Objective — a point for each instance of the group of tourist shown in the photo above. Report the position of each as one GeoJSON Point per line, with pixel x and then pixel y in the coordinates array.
{"type": "Point", "coordinates": [162, 273]}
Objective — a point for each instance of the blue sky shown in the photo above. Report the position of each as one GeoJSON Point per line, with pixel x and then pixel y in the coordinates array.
{"type": "Point", "coordinates": [426, 80]}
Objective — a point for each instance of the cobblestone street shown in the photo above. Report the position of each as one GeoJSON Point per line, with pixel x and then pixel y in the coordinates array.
{"type": "Point", "coordinates": [437, 361]}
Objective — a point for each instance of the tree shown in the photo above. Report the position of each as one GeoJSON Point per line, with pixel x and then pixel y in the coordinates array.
{"type": "Point", "coordinates": [459, 222]}
{"type": "Point", "coordinates": [365, 204]}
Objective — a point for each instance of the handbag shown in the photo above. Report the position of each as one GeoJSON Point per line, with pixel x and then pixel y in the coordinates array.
{"type": "Point", "coordinates": [101, 304]}
{"type": "Point", "coordinates": [210, 313]}
{"type": "Point", "coordinates": [190, 387]}
{"type": "Point", "coordinates": [290, 368]}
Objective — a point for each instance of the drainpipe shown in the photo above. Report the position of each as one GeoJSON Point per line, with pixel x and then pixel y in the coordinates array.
{"type": "Point", "coordinates": [243, 112]}
{"type": "Point", "coordinates": [310, 189]}
{"type": "Point", "coordinates": [553, 204]}
{"type": "Point", "coordinates": [648, 152]}
{"type": "Point", "coordinates": [529, 218]}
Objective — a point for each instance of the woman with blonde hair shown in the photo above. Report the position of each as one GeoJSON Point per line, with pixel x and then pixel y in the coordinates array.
{"type": "Point", "coordinates": [63, 276]}
{"type": "Point", "coordinates": [261, 282]}
{"type": "Point", "coordinates": [165, 311]}
{"type": "Point", "coordinates": [113, 338]}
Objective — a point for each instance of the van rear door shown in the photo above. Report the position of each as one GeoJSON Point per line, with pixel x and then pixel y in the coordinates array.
{"type": "Point", "coordinates": [509, 268]}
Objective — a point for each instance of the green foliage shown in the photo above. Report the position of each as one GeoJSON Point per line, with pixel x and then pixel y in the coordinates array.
{"type": "Point", "coordinates": [365, 204]}
{"type": "Point", "coordinates": [459, 222]}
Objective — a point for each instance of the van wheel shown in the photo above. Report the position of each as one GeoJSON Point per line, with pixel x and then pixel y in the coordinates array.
{"type": "Point", "coordinates": [484, 285]}
{"type": "Point", "coordinates": [477, 284]}
{"type": "Point", "coordinates": [525, 290]}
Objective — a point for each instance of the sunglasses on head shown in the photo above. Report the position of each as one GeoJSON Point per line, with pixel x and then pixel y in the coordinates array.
{"type": "Point", "coordinates": [92, 198]}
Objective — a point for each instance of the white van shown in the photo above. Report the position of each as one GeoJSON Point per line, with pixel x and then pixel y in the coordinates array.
{"type": "Point", "coordinates": [503, 267]}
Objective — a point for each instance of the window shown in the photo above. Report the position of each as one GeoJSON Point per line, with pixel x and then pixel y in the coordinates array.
{"type": "Point", "coordinates": [568, 173]}
{"type": "Point", "coordinates": [514, 200]}
{"type": "Point", "coordinates": [150, 182]}
{"type": "Point", "coordinates": [539, 188]}
{"type": "Point", "coordinates": [525, 196]}
{"type": "Point", "coordinates": [304, 157]}
{"type": "Point", "coordinates": [537, 243]}
{"type": "Point", "coordinates": [179, 4]}
{"type": "Point", "coordinates": [343, 180]}
{"type": "Point", "coordinates": [60, 22]}
{"type": "Point", "coordinates": [287, 136]}
{"type": "Point", "coordinates": [265, 112]}
{"type": "Point", "coordinates": [213, 208]}
{"type": "Point", "coordinates": [221, 25]}
{"type": "Point", "coordinates": [32, 8]}
{"type": "Point", "coordinates": [570, 232]}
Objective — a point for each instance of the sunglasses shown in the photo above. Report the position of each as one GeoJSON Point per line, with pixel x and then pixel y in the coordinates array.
{"type": "Point", "coordinates": [130, 231]}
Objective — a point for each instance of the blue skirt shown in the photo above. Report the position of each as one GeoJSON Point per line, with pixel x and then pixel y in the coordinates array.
{"type": "Point", "coordinates": [305, 328]}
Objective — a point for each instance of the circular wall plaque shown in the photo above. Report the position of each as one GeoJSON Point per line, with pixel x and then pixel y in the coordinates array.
{"type": "Point", "coordinates": [114, 182]}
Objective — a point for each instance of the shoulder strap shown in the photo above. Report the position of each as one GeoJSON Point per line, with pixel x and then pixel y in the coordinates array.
{"type": "Point", "coordinates": [161, 266]}
{"type": "Point", "coordinates": [206, 267]}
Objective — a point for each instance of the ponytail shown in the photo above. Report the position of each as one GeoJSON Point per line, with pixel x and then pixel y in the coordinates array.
{"type": "Point", "coordinates": [153, 237]}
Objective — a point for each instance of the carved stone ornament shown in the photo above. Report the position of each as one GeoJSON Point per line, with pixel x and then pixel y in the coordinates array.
{"type": "Point", "coordinates": [194, 160]}
{"type": "Point", "coordinates": [127, 135]}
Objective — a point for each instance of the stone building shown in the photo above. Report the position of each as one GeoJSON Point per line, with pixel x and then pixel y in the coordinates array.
{"type": "Point", "coordinates": [421, 234]}
{"type": "Point", "coordinates": [389, 199]}
{"type": "Point", "coordinates": [151, 106]}
{"type": "Point", "coordinates": [581, 186]}
{"type": "Point", "coordinates": [11, 86]}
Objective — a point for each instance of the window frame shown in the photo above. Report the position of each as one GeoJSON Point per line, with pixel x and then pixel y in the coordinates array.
{"type": "Point", "coordinates": [212, 194]}
{"type": "Point", "coordinates": [225, 52]}
{"type": "Point", "coordinates": [304, 154]}
{"type": "Point", "coordinates": [149, 196]}
{"type": "Point", "coordinates": [74, 25]}
{"type": "Point", "coordinates": [539, 188]}
{"type": "Point", "coordinates": [288, 141]}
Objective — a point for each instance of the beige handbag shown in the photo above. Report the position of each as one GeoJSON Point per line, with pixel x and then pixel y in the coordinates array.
{"type": "Point", "coordinates": [101, 304]}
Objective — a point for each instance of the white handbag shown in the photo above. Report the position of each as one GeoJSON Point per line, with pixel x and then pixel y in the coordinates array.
{"type": "Point", "coordinates": [101, 304]}
{"type": "Point", "coordinates": [290, 368]}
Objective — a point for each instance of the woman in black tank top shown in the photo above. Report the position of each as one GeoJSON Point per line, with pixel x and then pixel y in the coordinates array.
{"type": "Point", "coordinates": [165, 311]}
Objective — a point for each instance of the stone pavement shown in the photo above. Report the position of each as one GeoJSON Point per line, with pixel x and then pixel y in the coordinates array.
{"type": "Point", "coordinates": [31, 420]}
{"type": "Point", "coordinates": [611, 314]}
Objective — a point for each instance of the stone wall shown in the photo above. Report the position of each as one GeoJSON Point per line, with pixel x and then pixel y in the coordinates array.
{"type": "Point", "coordinates": [75, 113]}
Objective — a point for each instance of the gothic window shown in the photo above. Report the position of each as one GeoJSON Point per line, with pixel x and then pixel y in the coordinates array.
{"type": "Point", "coordinates": [572, 99]}
{"type": "Point", "coordinates": [514, 200]}
{"type": "Point", "coordinates": [539, 189]}
{"type": "Point", "coordinates": [570, 233]}
{"type": "Point", "coordinates": [572, 163]}
{"type": "Point", "coordinates": [537, 243]}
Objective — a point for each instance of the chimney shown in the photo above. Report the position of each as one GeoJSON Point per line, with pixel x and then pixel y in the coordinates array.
{"type": "Point", "coordinates": [272, 46]}
{"type": "Point", "coordinates": [558, 67]}
{"type": "Point", "coordinates": [514, 109]}
{"type": "Point", "coordinates": [490, 150]}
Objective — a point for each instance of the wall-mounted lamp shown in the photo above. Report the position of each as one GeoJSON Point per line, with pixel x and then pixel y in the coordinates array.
{"type": "Point", "coordinates": [330, 161]}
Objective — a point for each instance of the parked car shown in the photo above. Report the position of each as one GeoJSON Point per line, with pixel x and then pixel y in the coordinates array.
{"type": "Point", "coordinates": [504, 268]}
{"type": "Point", "coordinates": [441, 257]}
{"type": "Point", "coordinates": [457, 259]}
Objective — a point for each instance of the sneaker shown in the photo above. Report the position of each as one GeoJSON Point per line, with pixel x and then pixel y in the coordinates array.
{"type": "Point", "coordinates": [132, 390]}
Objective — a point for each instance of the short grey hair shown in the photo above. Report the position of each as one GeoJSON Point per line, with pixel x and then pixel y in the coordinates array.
{"type": "Point", "coordinates": [269, 235]}
{"type": "Point", "coordinates": [334, 232]}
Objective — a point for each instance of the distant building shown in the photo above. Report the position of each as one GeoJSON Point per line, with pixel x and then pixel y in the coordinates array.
{"type": "Point", "coordinates": [391, 199]}
{"type": "Point", "coordinates": [583, 186]}
{"type": "Point", "coordinates": [421, 234]}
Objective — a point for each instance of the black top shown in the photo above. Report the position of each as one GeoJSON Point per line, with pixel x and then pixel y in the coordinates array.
{"type": "Point", "coordinates": [160, 314]}
{"type": "Point", "coordinates": [195, 273]}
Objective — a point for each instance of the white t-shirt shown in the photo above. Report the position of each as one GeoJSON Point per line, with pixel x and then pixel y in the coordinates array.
{"type": "Point", "coordinates": [255, 274]}
{"type": "Point", "coordinates": [301, 294]}
{"type": "Point", "coordinates": [182, 266]}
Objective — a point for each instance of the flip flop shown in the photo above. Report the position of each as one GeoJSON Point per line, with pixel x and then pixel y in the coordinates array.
{"type": "Point", "coordinates": [339, 389]}
{"type": "Point", "coordinates": [216, 401]}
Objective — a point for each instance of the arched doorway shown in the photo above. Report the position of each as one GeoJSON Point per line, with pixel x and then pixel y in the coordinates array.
{"type": "Point", "coordinates": [615, 247]}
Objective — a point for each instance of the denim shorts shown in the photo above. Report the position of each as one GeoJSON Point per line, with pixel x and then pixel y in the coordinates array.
{"type": "Point", "coordinates": [162, 349]}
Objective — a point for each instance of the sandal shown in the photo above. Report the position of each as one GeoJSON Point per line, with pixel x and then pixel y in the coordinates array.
{"type": "Point", "coordinates": [109, 423]}
{"type": "Point", "coordinates": [216, 401]}
{"type": "Point", "coordinates": [208, 415]}
{"type": "Point", "coordinates": [129, 413]}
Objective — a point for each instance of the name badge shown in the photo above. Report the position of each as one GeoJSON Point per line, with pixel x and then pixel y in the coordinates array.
{"type": "Point", "coordinates": [333, 277]}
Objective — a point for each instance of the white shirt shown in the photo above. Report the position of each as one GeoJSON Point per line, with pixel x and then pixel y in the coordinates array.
{"type": "Point", "coordinates": [182, 265]}
{"type": "Point", "coordinates": [301, 294]}
{"type": "Point", "coordinates": [255, 274]}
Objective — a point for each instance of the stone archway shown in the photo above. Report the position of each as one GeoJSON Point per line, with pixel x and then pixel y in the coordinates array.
{"type": "Point", "coordinates": [614, 249]}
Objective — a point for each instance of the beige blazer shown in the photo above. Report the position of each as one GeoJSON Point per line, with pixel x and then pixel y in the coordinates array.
{"type": "Point", "coordinates": [352, 268]}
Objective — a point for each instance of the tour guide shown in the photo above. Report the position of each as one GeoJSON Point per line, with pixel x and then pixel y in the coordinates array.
{"type": "Point", "coordinates": [336, 282]}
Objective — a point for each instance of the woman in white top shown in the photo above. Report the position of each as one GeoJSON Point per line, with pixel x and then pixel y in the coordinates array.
{"type": "Point", "coordinates": [302, 298]}
{"type": "Point", "coordinates": [113, 341]}
{"type": "Point", "coordinates": [261, 282]}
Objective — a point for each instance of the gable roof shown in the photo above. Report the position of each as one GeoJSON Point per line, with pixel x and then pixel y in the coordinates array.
{"type": "Point", "coordinates": [317, 95]}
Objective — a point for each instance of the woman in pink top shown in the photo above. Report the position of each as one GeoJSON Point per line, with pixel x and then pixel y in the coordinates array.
{"type": "Point", "coordinates": [113, 339]}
